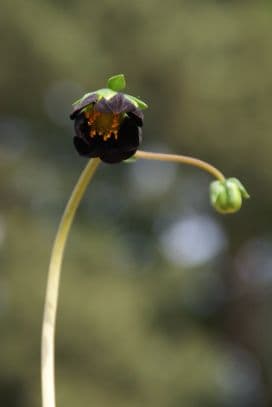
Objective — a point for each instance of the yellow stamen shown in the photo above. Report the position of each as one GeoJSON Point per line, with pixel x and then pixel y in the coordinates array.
{"type": "Point", "coordinates": [105, 125]}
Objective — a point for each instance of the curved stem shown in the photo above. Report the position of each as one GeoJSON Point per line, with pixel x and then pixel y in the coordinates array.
{"type": "Point", "coordinates": [203, 165]}
{"type": "Point", "coordinates": [51, 300]}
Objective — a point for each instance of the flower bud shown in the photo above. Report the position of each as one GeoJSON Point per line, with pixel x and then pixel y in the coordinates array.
{"type": "Point", "coordinates": [227, 196]}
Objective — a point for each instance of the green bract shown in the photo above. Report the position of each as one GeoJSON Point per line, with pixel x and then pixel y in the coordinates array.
{"type": "Point", "coordinates": [117, 82]}
{"type": "Point", "coordinates": [227, 196]}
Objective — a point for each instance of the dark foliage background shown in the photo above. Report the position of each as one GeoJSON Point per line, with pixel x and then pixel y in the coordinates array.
{"type": "Point", "coordinates": [163, 302]}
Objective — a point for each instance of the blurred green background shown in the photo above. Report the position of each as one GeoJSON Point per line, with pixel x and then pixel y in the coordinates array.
{"type": "Point", "coordinates": [163, 302]}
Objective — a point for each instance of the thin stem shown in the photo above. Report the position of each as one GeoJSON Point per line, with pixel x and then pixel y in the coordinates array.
{"type": "Point", "coordinates": [203, 165]}
{"type": "Point", "coordinates": [51, 300]}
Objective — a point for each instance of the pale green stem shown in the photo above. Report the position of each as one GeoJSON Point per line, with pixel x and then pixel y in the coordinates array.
{"type": "Point", "coordinates": [183, 159]}
{"type": "Point", "coordinates": [51, 300]}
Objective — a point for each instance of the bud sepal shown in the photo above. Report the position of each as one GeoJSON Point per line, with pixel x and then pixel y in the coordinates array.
{"type": "Point", "coordinates": [227, 195]}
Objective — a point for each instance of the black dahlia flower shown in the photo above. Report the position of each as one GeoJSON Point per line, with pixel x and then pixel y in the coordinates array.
{"type": "Point", "coordinates": [108, 123]}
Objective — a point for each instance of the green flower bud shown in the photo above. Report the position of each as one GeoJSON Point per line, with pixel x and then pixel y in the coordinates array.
{"type": "Point", "coordinates": [227, 196]}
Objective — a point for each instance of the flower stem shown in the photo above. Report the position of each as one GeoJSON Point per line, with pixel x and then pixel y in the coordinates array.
{"type": "Point", "coordinates": [203, 165]}
{"type": "Point", "coordinates": [51, 300]}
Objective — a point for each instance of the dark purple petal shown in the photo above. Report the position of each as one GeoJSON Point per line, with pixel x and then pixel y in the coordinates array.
{"type": "Point", "coordinates": [84, 144]}
{"type": "Point", "coordinates": [83, 103]}
{"type": "Point", "coordinates": [103, 106]}
{"type": "Point", "coordinates": [117, 104]}
{"type": "Point", "coordinates": [129, 135]}
{"type": "Point", "coordinates": [137, 115]}
{"type": "Point", "coordinates": [81, 126]}
{"type": "Point", "coordinates": [85, 149]}
{"type": "Point", "coordinates": [114, 157]}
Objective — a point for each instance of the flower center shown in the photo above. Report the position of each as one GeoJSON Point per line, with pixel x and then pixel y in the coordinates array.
{"type": "Point", "coordinates": [105, 125]}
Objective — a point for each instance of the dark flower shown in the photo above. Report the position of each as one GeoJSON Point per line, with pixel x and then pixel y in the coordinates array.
{"type": "Point", "coordinates": [108, 125]}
